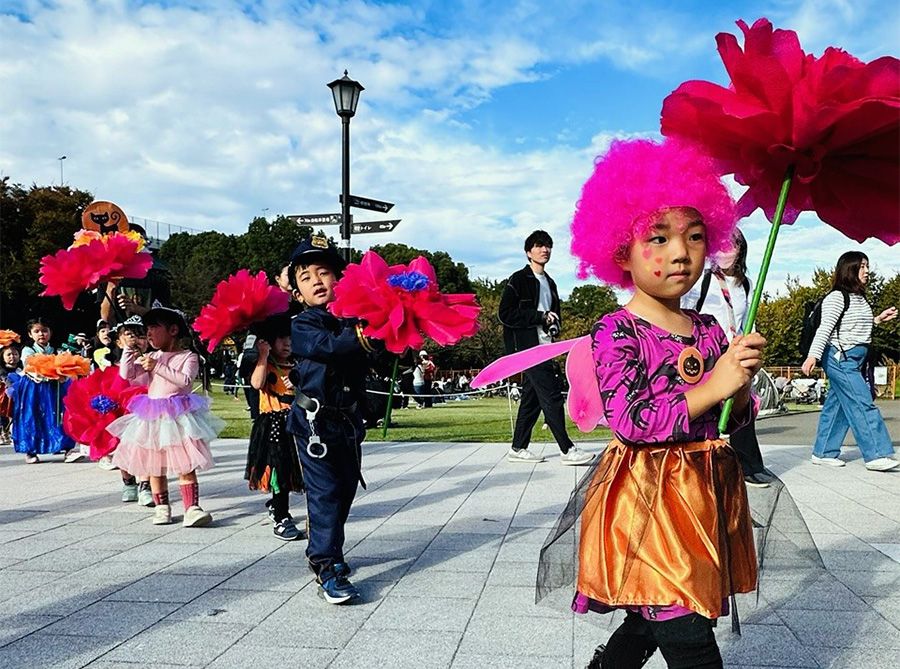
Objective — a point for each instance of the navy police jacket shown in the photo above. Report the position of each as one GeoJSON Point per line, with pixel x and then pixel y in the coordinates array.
{"type": "Point", "coordinates": [331, 366]}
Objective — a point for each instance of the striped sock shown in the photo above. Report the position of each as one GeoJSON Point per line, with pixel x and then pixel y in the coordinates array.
{"type": "Point", "coordinates": [161, 497]}
{"type": "Point", "coordinates": [190, 494]}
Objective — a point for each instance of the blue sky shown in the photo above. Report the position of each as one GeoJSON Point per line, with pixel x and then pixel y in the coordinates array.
{"type": "Point", "coordinates": [479, 119]}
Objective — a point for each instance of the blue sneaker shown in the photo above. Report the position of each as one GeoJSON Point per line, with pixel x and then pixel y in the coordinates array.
{"type": "Point", "coordinates": [342, 569]}
{"type": "Point", "coordinates": [337, 590]}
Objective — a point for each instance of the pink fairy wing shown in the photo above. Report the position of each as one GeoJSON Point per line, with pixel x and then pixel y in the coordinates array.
{"type": "Point", "coordinates": [584, 403]}
{"type": "Point", "coordinates": [515, 363]}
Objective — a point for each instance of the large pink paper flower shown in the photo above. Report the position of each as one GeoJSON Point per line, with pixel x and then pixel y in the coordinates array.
{"type": "Point", "coordinates": [94, 402]}
{"type": "Point", "coordinates": [401, 303]}
{"type": "Point", "coordinates": [239, 301]}
{"type": "Point", "coordinates": [84, 267]}
{"type": "Point", "coordinates": [835, 119]}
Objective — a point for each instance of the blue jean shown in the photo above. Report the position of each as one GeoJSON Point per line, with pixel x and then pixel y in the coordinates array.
{"type": "Point", "coordinates": [849, 405]}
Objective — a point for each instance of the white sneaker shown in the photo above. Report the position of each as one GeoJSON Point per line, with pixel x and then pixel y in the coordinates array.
{"type": "Point", "coordinates": [73, 455]}
{"type": "Point", "coordinates": [882, 464]}
{"type": "Point", "coordinates": [576, 456]}
{"type": "Point", "coordinates": [105, 463]}
{"type": "Point", "coordinates": [162, 514]}
{"type": "Point", "coordinates": [524, 455]}
{"type": "Point", "coordinates": [196, 517]}
{"type": "Point", "coordinates": [830, 462]}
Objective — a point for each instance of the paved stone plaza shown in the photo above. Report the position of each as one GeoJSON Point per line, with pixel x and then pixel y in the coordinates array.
{"type": "Point", "coordinates": [444, 544]}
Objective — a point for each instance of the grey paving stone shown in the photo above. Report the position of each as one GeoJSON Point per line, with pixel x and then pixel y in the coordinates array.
{"type": "Point", "coordinates": [473, 560]}
{"type": "Point", "coordinates": [222, 605]}
{"type": "Point", "coordinates": [888, 607]}
{"type": "Point", "coordinates": [113, 541]}
{"type": "Point", "coordinates": [154, 551]}
{"type": "Point", "coordinates": [514, 634]}
{"type": "Point", "coordinates": [500, 600]}
{"type": "Point", "coordinates": [52, 652]}
{"type": "Point", "coordinates": [465, 585]}
{"type": "Point", "coordinates": [380, 569]}
{"type": "Point", "coordinates": [862, 658]}
{"type": "Point", "coordinates": [380, 548]}
{"type": "Point", "coordinates": [14, 627]}
{"type": "Point", "coordinates": [484, 525]}
{"type": "Point", "coordinates": [112, 620]}
{"type": "Point", "coordinates": [61, 597]}
{"type": "Point", "coordinates": [166, 588]}
{"type": "Point", "coordinates": [869, 583]}
{"type": "Point", "coordinates": [70, 557]}
{"type": "Point", "coordinates": [860, 561]}
{"type": "Point", "coordinates": [825, 593]}
{"type": "Point", "coordinates": [850, 629]}
{"type": "Point", "coordinates": [451, 541]}
{"type": "Point", "coordinates": [179, 642]}
{"type": "Point", "coordinates": [112, 664]}
{"type": "Point", "coordinates": [270, 574]}
{"type": "Point", "coordinates": [290, 625]}
{"type": "Point", "coordinates": [210, 564]}
{"type": "Point", "coordinates": [399, 650]}
{"type": "Point", "coordinates": [513, 573]}
{"type": "Point", "coordinates": [425, 614]}
{"type": "Point", "coordinates": [763, 645]}
{"type": "Point", "coordinates": [470, 661]}
{"type": "Point", "coordinates": [243, 655]}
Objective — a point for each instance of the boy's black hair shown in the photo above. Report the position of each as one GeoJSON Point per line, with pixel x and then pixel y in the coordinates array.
{"type": "Point", "coordinates": [38, 320]}
{"type": "Point", "coordinates": [319, 260]}
{"type": "Point", "coordinates": [273, 327]}
{"type": "Point", "coordinates": [538, 238]}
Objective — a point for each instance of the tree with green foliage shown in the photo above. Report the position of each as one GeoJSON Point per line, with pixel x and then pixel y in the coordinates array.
{"type": "Point", "coordinates": [584, 307]}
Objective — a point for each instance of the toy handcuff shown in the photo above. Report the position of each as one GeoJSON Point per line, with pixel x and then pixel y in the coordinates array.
{"type": "Point", "coordinates": [315, 447]}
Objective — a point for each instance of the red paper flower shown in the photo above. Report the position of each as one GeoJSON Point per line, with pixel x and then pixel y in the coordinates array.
{"type": "Point", "coordinates": [70, 271]}
{"type": "Point", "coordinates": [834, 118]}
{"type": "Point", "coordinates": [401, 303]}
{"type": "Point", "coordinates": [239, 301]}
{"type": "Point", "coordinates": [94, 402]}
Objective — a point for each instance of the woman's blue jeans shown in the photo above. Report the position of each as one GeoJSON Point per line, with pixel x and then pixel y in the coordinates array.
{"type": "Point", "coordinates": [849, 405]}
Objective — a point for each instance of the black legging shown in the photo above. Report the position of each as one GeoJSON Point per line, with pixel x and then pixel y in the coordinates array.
{"type": "Point", "coordinates": [687, 642]}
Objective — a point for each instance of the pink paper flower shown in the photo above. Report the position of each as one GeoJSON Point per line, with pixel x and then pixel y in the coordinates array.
{"type": "Point", "coordinates": [402, 304]}
{"type": "Point", "coordinates": [239, 301]}
{"type": "Point", "coordinates": [834, 118]}
{"type": "Point", "coordinates": [71, 271]}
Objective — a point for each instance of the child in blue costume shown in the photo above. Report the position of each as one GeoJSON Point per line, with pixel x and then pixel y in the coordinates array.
{"type": "Point", "coordinates": [38, 404]}
{"type": "Point", "coordinates": [330, 374]}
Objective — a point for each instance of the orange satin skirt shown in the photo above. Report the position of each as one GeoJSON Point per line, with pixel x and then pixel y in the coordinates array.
{"type": "Point", "coordinates": [667, 525]}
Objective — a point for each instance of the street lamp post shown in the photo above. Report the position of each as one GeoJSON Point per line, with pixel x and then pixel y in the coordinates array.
{"type": "Point", "coordinates": [346, 96]}
{"type": "Point", "coordinates": [60, 159]}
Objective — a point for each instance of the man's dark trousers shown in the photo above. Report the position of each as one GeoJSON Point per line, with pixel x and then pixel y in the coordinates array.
{"type": "Point", "coordinates": [541, 392]}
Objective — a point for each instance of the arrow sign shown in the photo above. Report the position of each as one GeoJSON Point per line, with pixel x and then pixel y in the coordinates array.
{"type": "Point", "coordinates": [375, 226]}
{"type": "Point", "coordinates": [368, 203]}
{"type": "Point", "coordinates": [315, 219]}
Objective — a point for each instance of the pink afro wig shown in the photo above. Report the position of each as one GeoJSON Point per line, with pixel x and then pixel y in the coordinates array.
{"type": "Point", "coordinates": [631, 186]}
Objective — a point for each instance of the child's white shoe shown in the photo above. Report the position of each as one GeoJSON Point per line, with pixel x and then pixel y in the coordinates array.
{"type": "Point", "coordinates": [196, 517]}
{"type": "Point", "coordinates": [162, 514]}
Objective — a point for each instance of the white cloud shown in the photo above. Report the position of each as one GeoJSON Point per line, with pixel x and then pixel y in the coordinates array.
{"type": "Point", "coordinates": [205, 118]}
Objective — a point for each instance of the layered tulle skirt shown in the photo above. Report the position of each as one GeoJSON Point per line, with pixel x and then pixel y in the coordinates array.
{"type": "Point", "coordinates": [167, 435]}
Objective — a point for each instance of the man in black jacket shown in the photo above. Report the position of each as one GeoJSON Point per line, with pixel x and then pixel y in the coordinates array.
{"type": "Point", "coordinates": [529, 312]}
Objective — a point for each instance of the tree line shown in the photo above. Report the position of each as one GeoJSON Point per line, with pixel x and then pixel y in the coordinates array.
{"type": "Point", "coordinates": [37, 221]}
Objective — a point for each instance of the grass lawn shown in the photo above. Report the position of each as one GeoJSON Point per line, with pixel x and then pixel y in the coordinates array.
{"type": "Point", "coordinates": [485, 419]}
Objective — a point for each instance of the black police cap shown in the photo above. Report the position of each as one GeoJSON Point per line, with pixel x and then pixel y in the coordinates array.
{"type": "Point", "coordinates": [315, 249]}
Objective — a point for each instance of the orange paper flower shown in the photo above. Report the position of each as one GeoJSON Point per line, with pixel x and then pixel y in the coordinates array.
{"type": "Point", "coordinates": [7, 337]}
{"type": "Point", "coordinates": [72, 366]}
{"type": "Point", "coordinates": [42, 365]}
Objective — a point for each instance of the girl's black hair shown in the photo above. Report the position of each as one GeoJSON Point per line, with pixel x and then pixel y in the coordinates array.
{"type": "Point", "coordinates": [167, 318]}
{"type": "Point", "coordinates": [38, 320]}
{"type": "Point", "coordinates": [3, 367]}
{"type": "Point", "coordinates": [846, 272]}
{"type": "Point", "coordinates": [273, 327]}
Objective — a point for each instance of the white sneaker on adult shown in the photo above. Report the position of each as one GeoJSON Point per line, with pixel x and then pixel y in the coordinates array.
{"type": "Point", "coordinates": [524, 456]}
{"type": "Point", "coordinates": [828, 462]}
{"type": "Point", "coordinates": [882, 464]}
{"type": "Point", "coordinates": [575, 457]}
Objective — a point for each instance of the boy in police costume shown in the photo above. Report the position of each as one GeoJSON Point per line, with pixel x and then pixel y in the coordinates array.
{"type": "Point", "coordinates": [327, 415]}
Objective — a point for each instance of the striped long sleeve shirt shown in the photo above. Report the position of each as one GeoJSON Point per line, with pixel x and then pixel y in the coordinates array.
{"type": "Point", "coordinates": [856, 325]}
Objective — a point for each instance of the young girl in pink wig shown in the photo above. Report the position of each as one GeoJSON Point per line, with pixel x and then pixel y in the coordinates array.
{"type": "Point", "coordinates": [665, 530]}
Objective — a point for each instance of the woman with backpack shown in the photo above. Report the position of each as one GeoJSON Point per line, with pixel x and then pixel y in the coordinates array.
{"type": "Point", "coordinates": [841, 344]}
{"type": "Point", "coordinates": [724, 292]}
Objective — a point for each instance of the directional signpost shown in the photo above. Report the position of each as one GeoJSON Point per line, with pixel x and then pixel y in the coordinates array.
{"type": "Point", "coordinates": [375, 226]}
{"type": "Point", "coordinates": [315, 219]}
{"type": "Point", "coordinates": [369, 203]}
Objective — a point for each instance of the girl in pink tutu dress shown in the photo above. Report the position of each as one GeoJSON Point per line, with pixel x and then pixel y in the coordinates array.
{"type": "Point", "coordinates": [168, 430]}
